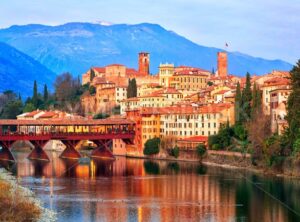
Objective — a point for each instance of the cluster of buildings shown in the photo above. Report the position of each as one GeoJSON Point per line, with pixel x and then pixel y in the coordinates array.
{"type": "Point", "coordinates": [182, 105]}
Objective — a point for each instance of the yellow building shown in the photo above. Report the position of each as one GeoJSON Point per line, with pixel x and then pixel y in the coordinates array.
{"type": "Point", "coordinates": [190, 79]}
{"type": "Point", "coordinates": [166, 72]}
{"type": "Point", "coordinates": [182, 122]}
{"type": "Point", "coordinates": [159, 98]}
{"type": "Point", "coordinates": [268, 86]}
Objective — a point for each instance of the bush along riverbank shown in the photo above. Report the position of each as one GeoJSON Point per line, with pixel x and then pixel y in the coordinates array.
{"type": "Point", "coordinates": [20, 204]}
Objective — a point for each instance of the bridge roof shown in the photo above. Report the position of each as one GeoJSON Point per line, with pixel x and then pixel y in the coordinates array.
{"type": "Point", "coordinates": [65, 122]}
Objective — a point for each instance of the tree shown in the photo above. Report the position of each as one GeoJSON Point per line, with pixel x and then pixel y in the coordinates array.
{"type": "Point", "coordinates": [151, 146]}
{"type": "Point", "coordinates": [92, 75]}
{"type": "Point", "coordinates": [29, 107]}
{"type": "Point", "coordinates": [68, 92]}
{"type": "Point", "coordinates": [238, 101]}
{"type": "Point", "coordinates": [46, 95]}
{"type": "Point", "coordinates": [12, 109]}
{"type": "Point", "coordinates": [92, 90]}
{"type": "Point", "coordinates": [35, 94]}
{"type": "Point", "coordinates": [132, 88]}
{"type": "Point", "coordinates": [258, 130]}
{"type": "Point", "coordinates": [246, 100]}
{"type": "Point", "coordinates": [256, 103]}
{"type": "Point", "coordinates": [293, 105]}
{"type": "Point", "coordinates": [101, 116]}
{"type": "Point", "coordinates": [129, 91]}
{"type": "Point", "coordinates": [175, 152]}
{"type": "Point", "coordinates": [201, 150]}
{"type": "Point", "coordinates": [240, 132]}
{"type": "Point", "coordinates": [210, 83]}
{"type": "Point", "coordinates": [6, 97]}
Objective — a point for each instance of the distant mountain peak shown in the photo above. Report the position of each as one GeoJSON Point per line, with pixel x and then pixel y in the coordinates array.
{"type": "Point", "coordinates": [77, 46]}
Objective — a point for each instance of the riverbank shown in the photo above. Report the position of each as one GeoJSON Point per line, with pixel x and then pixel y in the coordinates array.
{"type": "Point", "coordinates": [234, 160]}
{"type": "Point", "coordinates": [20, 204]}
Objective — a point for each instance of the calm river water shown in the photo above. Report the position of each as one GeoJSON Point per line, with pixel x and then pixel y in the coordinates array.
{"type": "Point", "coordinates": [141, 190]}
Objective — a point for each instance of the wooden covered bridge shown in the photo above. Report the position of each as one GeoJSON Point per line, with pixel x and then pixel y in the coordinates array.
{"type": "Point", "coordinates": [69, 132]}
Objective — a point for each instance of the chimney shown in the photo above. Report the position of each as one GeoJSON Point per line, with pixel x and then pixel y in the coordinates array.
{"type": "Point", "coordinates": [144, 60]}
{"type": "Point", "coordinates": [222, 64]}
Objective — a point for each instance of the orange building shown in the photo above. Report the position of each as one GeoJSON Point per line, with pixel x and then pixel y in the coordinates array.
{"type": "Point", "coordinates": [144, 61]}
{"type": "Point", "coordinates": [222, 64]}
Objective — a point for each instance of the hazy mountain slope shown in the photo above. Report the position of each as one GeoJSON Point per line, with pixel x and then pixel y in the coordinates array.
{"type": "Point", "coordinates": [18, 71]}
{"type": "Point", "coordinates": [75, 47]}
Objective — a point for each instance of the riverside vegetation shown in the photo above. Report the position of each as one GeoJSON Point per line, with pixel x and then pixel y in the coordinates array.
{"type": "Point", "coordinates": [18, 203]}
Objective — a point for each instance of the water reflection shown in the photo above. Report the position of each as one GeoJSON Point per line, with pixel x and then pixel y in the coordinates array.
{"type": "Point", "coordinates": [143, 190]}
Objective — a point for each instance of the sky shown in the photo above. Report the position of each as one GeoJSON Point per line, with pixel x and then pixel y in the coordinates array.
{"type": "Point", "coordinates": [261, 28]}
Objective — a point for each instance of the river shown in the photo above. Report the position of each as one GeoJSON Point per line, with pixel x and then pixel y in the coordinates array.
{"type": "Point", "coordinates": [143, 190]}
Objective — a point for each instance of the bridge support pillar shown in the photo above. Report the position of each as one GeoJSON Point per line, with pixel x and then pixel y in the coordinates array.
{"type": "Point", "coordinates": [5, 153]}
{"type": "Point", "coordinates": [70, 152]}
{"type": "Point", "coordinates": [38, 153]}
{"type": "Point", "coordinates": [103, 150]}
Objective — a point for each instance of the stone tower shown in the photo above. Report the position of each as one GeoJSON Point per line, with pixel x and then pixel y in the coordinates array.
{"type": "Point", "coordinates": [222, 64]}
{"type": "Point", "coordinates": [144, 61]}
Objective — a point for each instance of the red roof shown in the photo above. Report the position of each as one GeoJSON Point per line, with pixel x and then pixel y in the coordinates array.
{"type": "Point", "coordinates": [198, 139]}
{"type": "Point", "coordinates": [212, 108]}
{"type": "Point", "coordinates": [277, 81]}
{"type": "Point", "coordinates": [49, 114]}
{"type": "Point", "coordinates": [130, 71]}
{"type": "Point", "coordinates": [114, 65]}
{"type": "Point", "coordinates": [222, 91]}
{"type": "Point", "coordinates": [33, 113]}
{"type": "Point", "coordinates": [99, 69]}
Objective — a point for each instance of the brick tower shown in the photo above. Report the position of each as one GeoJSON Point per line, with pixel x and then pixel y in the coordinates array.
{"type": "Point", "coordinates": [222, 64]}
{"type": "Point", "coordinates": [144, 61]}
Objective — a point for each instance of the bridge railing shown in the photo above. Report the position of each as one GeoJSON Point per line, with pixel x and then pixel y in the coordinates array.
{"type": "Point", "coordinates": [114, 132]}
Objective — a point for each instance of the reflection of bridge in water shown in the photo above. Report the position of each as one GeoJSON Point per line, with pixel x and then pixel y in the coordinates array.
{"type": "Point", "coordinates": [69, 132]}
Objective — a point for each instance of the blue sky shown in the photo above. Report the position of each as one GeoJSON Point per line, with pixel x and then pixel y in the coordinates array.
{"type": "Point", "coordinates": [262, 28]}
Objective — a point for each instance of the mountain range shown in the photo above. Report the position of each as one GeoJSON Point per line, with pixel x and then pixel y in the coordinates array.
{"type": "Point", "coordinates": [18, 71]}
{"type": "Point", "coordinates": [75, 47]}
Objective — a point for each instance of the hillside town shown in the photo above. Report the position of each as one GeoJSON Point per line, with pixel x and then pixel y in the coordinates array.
{"type": "Point", "coordinates": [181, 105]}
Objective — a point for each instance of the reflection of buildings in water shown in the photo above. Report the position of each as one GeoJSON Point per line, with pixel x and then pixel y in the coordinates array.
{"type": "Point", "coordinates": [142, 196]}
{"type": "Point", "coordinates": [193, 196]}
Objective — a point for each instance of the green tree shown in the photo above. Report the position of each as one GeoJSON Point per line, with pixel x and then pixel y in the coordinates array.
{"type": "Point", "coordinates": [296, 147]}
{"type": "Point", "coordinates": [46, 94]}
{"type": "Point", "coordinates": [92, 90]}
{"type": "Point", "coordinates": [134, 88]}
{"type": "Point", "coordinates": [29, 107]}
{"type": "Point", "coordinates": [201, 150]}
{"type": "Point", "coordinates": [131, 88]}
{"type": "Point", "coordinates": [293, 105]}
{"type": "Point", "coordinates": [246, 100]}
{"type": "Point", "coordinates": [151, 146]}
{"type": "Point", "coordinates": [240, 132]}
{"type": "Point", "coordinates": [35, 94]}
{"type": "Point", "coordinates": [237, 104]}
{"type": "Point", "coordinates": [210, 83]}
{"type": "Point", "coordinates": [175, 152]}
{"type": "Point", "coordinates": [92, 75]}
{"type": "Point", "coordinates": [256, 100]}
{"type": "Point", "coordinates": [12, 109]}
{"type": "Point", "coordinates": [101, 116]}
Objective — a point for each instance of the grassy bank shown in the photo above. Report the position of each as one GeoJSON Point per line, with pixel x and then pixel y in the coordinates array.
{"type": "Point", "coordinates": [18, 203]}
